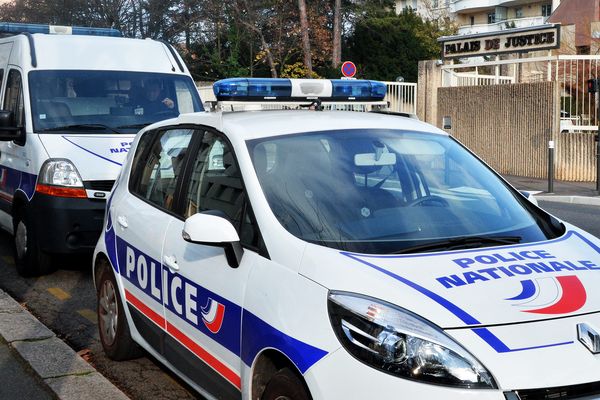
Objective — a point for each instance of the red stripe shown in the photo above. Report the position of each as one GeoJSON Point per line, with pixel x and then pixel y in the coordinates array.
{"type": "Point", "coordinates": [205, 356]}
{"type": "Point", "coordinates": [144, 309]}
{"type": "Point", "coordinates": [573, 297]}
{"type": "Point", "coordinates": [200, 352]}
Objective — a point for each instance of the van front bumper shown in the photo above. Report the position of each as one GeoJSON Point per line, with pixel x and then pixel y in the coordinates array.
{"type": "Point", "coordinates": [66, 225]}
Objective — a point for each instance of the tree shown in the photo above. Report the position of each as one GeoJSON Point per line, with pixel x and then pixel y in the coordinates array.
{"type": "Point", "coordinates": [336, 54]}
{"type": "Point", "coordinates": [305, 35]}
{"type": "Point", "coordinates": [385, 45]}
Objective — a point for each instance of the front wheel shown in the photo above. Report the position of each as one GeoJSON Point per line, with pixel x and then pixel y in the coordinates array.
{"type": "Point", "coordinates": [112, 322]}
{"type": "Point", "coordinates": [285, 385]}
{"type": "Point", "coordinates": [30, 260]}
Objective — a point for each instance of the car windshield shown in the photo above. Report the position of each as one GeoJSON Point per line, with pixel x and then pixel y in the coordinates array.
{"type": "Point", "coordinates": [390, 191]}
{"type": "Point", "coordinates": [108, 100]}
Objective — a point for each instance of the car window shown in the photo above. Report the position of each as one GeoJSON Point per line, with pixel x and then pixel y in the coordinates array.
{"type": "Point", "coordinates": [160, 167]}
{"type": "Point", "coordinates": [216, 184]}
{"type": "Point", "coordinates": [13, 97]}
{"type": "Point", "coordinates": [382, 191]}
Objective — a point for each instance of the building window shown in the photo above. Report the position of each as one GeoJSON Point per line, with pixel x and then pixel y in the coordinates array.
{"type": "Point", "coordinates": [435, 4]}
{"type": "Point", "coordinates": [546, 10]}
{"type": "Point", "coordinates": [472, 20]}
{"type": "Point", "coordinates": [519, 13]}
{"type": "Point", "coordinates": [491, 18]}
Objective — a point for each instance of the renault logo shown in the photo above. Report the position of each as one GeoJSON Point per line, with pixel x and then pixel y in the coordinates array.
{"type": "Point", "coordinates": [589, 337]}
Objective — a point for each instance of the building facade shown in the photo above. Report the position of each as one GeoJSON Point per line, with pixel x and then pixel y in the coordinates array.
{"type": "Point", "coordinates": [481, 16]}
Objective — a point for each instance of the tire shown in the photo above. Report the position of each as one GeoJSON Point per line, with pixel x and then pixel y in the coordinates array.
{"type": "Point", "coordinates": [285, 385]}
{"type": "Point", "coordinates": [115, 335]}
{"type": "Point", "coordinates": [30, 260]}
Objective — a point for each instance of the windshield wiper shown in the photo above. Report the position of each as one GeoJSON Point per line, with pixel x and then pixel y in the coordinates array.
{"type": "Point", "coordinates": [134, 126]}
{"type": "Point", "coordinates": [466, 242]}
{"type": "Point", "coordinates": [81, 126]}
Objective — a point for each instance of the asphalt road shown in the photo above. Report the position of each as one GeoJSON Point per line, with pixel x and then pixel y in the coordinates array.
{"type": "Point", "coordinates": [66, 302]}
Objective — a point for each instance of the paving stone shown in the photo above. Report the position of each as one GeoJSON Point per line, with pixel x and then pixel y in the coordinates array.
{"type": "Point", "coordinates": [8, 304]}
{"type": "Point", "coordinates": [52, 358]}
{"type": "Point", "coordinates": [22, 326]}
{"type": "Point", "coordinates": [89, 387]}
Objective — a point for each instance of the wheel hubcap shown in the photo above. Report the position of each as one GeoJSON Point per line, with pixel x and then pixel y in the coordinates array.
{"type": "Point", "coordinates": [21, 240]}
{"type": "Point", "coordinates": [109, 312]}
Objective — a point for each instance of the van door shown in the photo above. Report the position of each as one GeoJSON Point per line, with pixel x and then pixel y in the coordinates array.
{"type": "Point", "coordinates": [15, 173]}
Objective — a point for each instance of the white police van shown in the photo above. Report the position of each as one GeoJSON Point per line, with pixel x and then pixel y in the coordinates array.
{"type": "Point", "coordinates": [71, 101]}
{"type": "Point", "coordinates": [302, 254]}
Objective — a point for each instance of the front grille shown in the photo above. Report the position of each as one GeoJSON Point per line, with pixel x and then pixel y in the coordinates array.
{"type": "Point", "coordinates": [583, 391]}
{"type": "Point", "coordinates": [105, 186]}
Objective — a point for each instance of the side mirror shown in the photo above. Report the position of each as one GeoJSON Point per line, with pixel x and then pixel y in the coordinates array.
{"type": "Point", "coordinates": [213, 230]}
{"type": "Point", "coordinates": [8, 129]}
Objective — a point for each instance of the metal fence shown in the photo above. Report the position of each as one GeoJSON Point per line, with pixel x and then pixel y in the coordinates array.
{"type": "Point", "coordinates": [571, 72]}
{"type": "Point", "coordinates": [401, 97]}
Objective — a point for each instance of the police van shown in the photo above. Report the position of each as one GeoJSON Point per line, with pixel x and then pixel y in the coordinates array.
{"type": "Point", "coordinates": [71, 101]}
{"type": "Point", "coordinates": [310, 254]}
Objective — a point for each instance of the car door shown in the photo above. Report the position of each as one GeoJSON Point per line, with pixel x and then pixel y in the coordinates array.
{"type": "Point", "coordinates": [141, 219]}
{"type": "Point", "coordinates": [203, 308]}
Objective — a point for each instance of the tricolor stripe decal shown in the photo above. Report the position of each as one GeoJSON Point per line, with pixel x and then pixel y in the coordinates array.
{"type": "Point", "coordinates": [227, 373]}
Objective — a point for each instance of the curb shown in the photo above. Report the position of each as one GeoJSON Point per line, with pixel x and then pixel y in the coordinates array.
{"type": "Point", "coordinates": [63, 371]}
{"type": "Point", "coordinates": [582, 200]}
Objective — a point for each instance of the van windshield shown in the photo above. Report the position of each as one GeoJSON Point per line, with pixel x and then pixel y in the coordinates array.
{"type": "Point", "coordinates": [110, 101]}
{"type": "Point", "coordinates": [391, 191]}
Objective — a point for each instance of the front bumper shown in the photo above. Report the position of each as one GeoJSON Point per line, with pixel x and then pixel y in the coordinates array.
{"type": "Point", "coordinates": [66, 225]}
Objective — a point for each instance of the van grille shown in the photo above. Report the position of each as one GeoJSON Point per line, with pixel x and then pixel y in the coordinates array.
{"type": "Point", "coordinates": [105, 186]}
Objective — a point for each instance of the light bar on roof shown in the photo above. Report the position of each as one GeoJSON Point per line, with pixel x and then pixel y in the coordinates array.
{"type": "Point", "coordinates": [280, 89]}
{"type": "Point", "coordinates": [16, 28]}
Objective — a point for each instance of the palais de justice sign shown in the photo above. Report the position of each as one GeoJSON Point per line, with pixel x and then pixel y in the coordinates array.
{"type": "Point", "coordinates": [513, 41]}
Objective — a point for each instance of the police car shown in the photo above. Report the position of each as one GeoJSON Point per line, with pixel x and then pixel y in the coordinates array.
{"type": "Point", "coordinates": [300, 254]}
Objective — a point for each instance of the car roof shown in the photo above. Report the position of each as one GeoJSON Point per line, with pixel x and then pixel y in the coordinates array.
{"type": "Point", "coordinates": [247, 125]}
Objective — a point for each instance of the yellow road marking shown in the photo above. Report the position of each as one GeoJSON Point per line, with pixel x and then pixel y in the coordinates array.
{"type": "Point", "coordinates": [8, 259]}
{"type": "Point", "coordinates": [59, 293]}
{"type": "Point", "coordinates": [89, 315]}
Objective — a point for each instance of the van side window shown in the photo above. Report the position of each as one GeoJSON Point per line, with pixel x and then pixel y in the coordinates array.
{"type": "Point", "coordinates": [13, 97]}
{"type": "Point", "coordinates": [216, 184]}
{"type": "Point", "coordinates": [162, 166]}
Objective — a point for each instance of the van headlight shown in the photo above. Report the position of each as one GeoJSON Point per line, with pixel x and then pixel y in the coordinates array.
{"type": "Point", "coordinates": [60, 173]}
{"type": "Point", "coordinates": [400, 343]}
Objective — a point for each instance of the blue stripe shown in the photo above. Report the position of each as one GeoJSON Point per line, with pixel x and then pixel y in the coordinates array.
{"type": "Point", "coordinates": [257, 334]}
{"type": "Point", "coordinates": [527, 292]}
{"type": "Point", "coordinates": [500, 347]}
{"type": "Point", "coordinates": [91, 152]}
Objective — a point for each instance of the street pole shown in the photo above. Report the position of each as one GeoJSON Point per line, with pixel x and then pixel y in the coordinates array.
{"type": "Point", "coordinates": [597, 139]}
{"type": "Point", "coordinates": [551, 166]}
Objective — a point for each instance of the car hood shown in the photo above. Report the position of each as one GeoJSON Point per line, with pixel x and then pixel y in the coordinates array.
{"type": "Point", "coordinates": [96, 156]}
{"type": "Point", "coordinates": [474, 287]}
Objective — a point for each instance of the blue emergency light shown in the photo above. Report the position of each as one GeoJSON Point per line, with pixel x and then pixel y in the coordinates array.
{"type": "Point", "coordinates": [16, 28]}
{"type": "Point", "coordinates": [281, 89]}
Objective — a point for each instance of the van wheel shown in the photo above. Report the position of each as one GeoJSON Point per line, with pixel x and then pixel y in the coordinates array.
{"type": "Point", "coordinates": [285, 385]}
{"type": "Point", "coordinates": [30, 260]}
{"type": "Point", "coordinates": [112, 322]}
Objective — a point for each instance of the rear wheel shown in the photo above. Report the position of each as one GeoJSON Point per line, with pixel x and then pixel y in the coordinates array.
{"type": "Point", "coordinates": [115, 335]}
{"type": "Point", "coordinates": [285, 385]}
{"type": "Point", "coordinates": [30, 260]}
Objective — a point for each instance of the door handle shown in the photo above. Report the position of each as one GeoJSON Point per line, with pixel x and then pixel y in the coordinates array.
{"type": "Point", "coordinates": [122, 220]}
{"type": "Point", "coordinates": [171, 262]}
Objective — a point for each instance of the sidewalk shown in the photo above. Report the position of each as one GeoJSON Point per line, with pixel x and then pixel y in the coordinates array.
{"type": "Point", "coordinates": [564, 192]}
{"type": "Point", "coordinates": [44, 364]}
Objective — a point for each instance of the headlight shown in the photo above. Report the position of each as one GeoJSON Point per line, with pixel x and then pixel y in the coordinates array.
{"type": "Point", "coordinates": [400, 343]}
{"type": "Point", "coordinates": [59, 173]}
